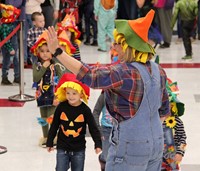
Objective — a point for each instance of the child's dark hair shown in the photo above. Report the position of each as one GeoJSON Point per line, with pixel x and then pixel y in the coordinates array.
{"type": "Point", "coordinates": [34, 15]}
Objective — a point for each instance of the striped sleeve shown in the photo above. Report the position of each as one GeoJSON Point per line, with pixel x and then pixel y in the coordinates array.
{"type": "Point", "coordinates": [180, 136]}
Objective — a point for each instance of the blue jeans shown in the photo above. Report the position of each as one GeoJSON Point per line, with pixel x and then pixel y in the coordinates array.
{"type": "Point", "coordinates": [105, 143]}
{"type": "Point", "coordinates": [7, 59]}
{"type": "Point", "coordinates": [66, 159]}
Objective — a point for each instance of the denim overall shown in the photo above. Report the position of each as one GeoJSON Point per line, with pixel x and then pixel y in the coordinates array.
{"type": "Point", "coordinates": [137, 143]}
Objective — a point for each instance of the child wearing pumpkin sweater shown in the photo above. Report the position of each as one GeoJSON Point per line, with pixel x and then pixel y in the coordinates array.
{"type": "Point", "coordinates": [71, 117]}
{"type": "Point", "coordinates": [174, 132]}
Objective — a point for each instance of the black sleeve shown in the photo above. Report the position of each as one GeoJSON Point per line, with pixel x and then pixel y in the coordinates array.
{"type": "Point", "coordinates": [54, 127]}
{"type": "Point", "coordinates": [93, 129]}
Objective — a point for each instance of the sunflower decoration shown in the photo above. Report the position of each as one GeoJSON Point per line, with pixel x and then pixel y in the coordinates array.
{"type": "Point", "coordinates": [170, 122]}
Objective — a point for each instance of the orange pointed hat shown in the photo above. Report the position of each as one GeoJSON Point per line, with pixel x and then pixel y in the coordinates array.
{"type": "Point", "coordinates": [40, 41]}
{"type": "Point", "coordinates": [9, 13]}
{"type": "Point", "coordinates": [136, 32]}
{"type": "Point", "coordinates": [69, 23]}
{"type": "Point", "coordinates": [64, 41]}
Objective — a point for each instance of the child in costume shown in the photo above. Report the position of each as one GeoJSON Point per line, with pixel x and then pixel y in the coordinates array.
{"type": "Point", "coordinates": [174, 133]}
{"type": "Point", "coordinates": [105, 127]}
{"type": "Point", "coordinates": [105, 13]}
{"type": "Point", "coordinates": [71, 117]}
{"type": "Point", "coordinates": [9, 14]}
{"type": "Point", "coordinates": [68, 25]}
{"type": "Point", "coordinates": [45, 72]}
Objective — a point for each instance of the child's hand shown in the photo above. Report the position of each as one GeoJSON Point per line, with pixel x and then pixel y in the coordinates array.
{"type": "Point", "coordinates": [98, 150]}
{"type": "Point", "coordinates": [12, 52]}
{"type": "Point", "coordinates": [49, 149]}
{"type": "Point", "coordinates": [55, 102]}
{"type": "Point", "coordinates": [178, 158]}
{"type": "Point", "coordinates": [46, 63]}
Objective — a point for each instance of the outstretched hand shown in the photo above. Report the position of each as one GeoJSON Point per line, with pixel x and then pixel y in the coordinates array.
{"type": "Point", "coordinates": [52, 41]}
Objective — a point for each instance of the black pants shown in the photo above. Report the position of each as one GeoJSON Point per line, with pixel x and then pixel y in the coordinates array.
{"type": "Point", "coordinates": [187, 27]}
{"type": "Point", "coordinates": [89, 20]}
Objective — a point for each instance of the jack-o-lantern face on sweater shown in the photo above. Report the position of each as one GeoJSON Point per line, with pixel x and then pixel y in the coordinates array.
{"type": "Point", "coordinates": [74, 126]}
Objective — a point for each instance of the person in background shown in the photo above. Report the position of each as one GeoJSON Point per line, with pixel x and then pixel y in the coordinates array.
{"type": "Point", "coordinates": [105, 13]}
{"type": "Point", "coordinates": [90, 21]}
{"type": "Point", "coordinates": [71, 117]}
{"type": "Point", "coordinates": [136, 95]}
{"type": "Point", "coordinates": [50, 10]}
{"type": "Point", "coordinates": [163, 19]}
{"type": "Point", "coordinates": [9, 14]}
{"type": "Point", "coordinates": [188, 11]}
{"type": "Point", "coordinates": [31, 7]}
{"type": "Point", "coordinates": [105, 127]}
{"type": "Point", "coordinates": [46, 73]}
{"type": "Point", "coordinates": [20, 4]}
{"type": "Point", "coordinates": [68, 24]}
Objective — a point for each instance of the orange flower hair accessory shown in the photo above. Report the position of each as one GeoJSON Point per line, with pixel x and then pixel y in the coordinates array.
{"type": "Point", "coordinates": [9, 13]}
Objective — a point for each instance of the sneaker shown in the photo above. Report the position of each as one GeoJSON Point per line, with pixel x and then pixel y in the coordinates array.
{"type": "Point", "coordinates": [94, 43]}
{"type": "Point", "coordinates": [165, 45]}
{"type": "Point", "coordinates": [16, 80]}
{"type": "Point", "coordinates": [5, 81]}
{"type": "Point", "coordinates": [43, 142]}
{"type": "Point", "coordinates": [101, 50]}
{"type": "Point", "coordinates": [187, 57]}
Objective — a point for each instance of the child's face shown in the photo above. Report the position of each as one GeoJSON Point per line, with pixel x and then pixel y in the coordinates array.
{"type": "Point", "coordinates": [39, 21]}
{"type": "Point", "coordinates": [73, 97]}
{"type": "Point", "coordinates": [69, 34]}
{"type": "Point", "coordinates": [44, 53]}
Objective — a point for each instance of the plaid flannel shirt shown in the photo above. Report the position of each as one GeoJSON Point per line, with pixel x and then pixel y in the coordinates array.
{"type": "Point", "coordinates": [33, 34]}
{"type": "Point", "coordinates": [5, 30]}
{"type": "Point", "coordinates": [123, 86]}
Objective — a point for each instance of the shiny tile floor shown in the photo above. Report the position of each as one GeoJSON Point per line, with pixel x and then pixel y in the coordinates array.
{"type": "Point", "coordinates": [20, 133]}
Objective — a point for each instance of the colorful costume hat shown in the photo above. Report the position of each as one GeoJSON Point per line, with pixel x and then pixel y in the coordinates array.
{"type": "Point", "coordinates": [40, 41]}
{"type": "Point", "coordinates": [136, 34]}
{"type": "Point", "coordinates": [69, 80]}
{"type": "Point", "coordinates": [63, 41]}
{"type": "Point", "coordinates": [9, 13]}
{"type": "Point", "coordinates": [69, 23]}
{"type": "Point", "coordinates": [177, 107]}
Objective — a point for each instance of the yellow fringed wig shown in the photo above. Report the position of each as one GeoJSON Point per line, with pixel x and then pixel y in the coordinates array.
{"type": "Point", "coordinates": [69, 80]}
{"type": "Point", "coordinates": [134, 34]}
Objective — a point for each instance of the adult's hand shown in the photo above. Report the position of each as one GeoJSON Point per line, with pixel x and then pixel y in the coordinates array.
{"type": "Point", "coordinates": [52, 41]}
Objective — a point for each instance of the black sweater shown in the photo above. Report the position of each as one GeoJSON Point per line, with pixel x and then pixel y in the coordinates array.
{"type": "Point", "coordinates": [70, 122]}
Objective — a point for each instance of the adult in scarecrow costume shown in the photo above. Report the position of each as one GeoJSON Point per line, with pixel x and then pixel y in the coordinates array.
{"type": "Point", "coordinates": [136, 96]}
{"type": "Point", "coordinates": [174, 132]}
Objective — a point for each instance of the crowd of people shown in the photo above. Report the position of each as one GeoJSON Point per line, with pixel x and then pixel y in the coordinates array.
{"type": "Point", "coordinates": [135, 98]}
